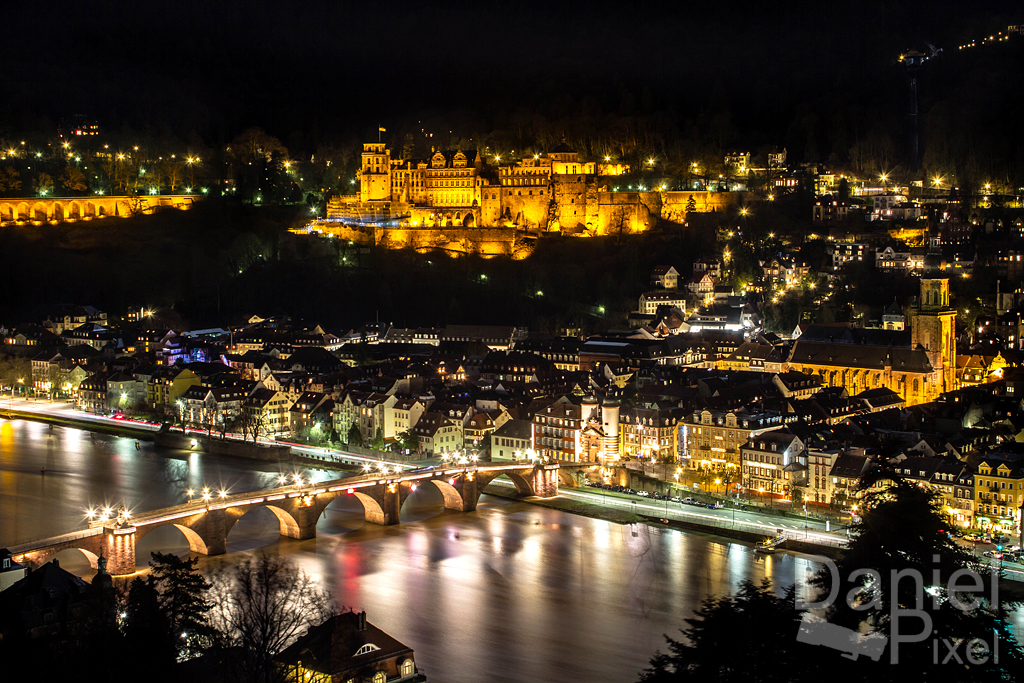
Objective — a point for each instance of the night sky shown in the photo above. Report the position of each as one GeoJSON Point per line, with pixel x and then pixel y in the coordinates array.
{"type": "Point", "coordinates": [310, 72]}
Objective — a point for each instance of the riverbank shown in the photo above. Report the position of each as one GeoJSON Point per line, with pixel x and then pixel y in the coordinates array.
{"type": "Point", "coordinates": [626, 517]}
{"type": "Point", "coordinates": [131, 431]}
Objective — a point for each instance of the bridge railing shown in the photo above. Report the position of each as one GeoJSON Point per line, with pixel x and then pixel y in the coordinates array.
{"type": "Point", "coordinates": [46, 541]}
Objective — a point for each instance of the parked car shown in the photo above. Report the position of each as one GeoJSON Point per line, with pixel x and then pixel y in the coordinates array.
{"type": "Point", "coordinates": [994, 554]}
{"type": "Point", "coordinates": [689, 501]}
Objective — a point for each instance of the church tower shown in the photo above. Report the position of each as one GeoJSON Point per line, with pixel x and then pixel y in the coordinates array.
{"type": "Point", "coordinates": [932, 326]}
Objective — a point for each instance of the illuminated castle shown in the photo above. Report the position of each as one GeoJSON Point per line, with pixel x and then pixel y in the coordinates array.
{"type": "Point", "coordinates": [553, 192]}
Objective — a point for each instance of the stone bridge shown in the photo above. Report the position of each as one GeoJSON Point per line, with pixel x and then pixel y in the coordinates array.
{"type": "Point", "coordinates": [39, 210]}
{"type": "Point", "coordinates": [206, 523]}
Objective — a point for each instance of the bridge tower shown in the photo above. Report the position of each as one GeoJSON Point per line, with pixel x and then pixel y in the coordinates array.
{"type": "Point", "coordinates": [118, 547]}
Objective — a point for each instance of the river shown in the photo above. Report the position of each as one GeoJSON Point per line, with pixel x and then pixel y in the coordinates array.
{"type": "Point", "coordinates": [511, 592]}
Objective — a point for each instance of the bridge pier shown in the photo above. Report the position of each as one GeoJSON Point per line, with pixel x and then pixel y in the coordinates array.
{"type": "Point", "coordinates": [119, 549]}
{"type": "Point", "coordinates": [544, 481]}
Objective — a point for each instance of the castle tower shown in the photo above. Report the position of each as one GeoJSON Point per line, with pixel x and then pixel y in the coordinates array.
{"type": "Point", "coordinates": [375, 173]}
{"type": "Point", "coordinates": [610, 427]}
{"type": "Point", "coordinates": [932, 326]}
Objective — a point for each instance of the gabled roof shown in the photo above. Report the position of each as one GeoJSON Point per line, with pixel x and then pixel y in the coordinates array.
{"type": "Point", "coordinates": [331, 648]}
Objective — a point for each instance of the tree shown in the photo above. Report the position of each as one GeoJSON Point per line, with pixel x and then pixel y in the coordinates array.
{"type": "Point", "coordinates": [355, 437]}
{"type": "Point", "coordinates": [902, 530]}
{"type": "Point", "coordinates": [408, 440]}
{"type": "Point", "coordinates": [168, 612]}
{"type": "Point", "coordinates": [43, 184]}
{"type": "Point", "coordinates": [378, 440]}
{"type": "Point", "coordinates": [844, 189]}
{"type": "Point", "coordinates": [170, 172]}
{"type": "Point", "coordinates": [10, 180]}
{"type": "Point", "coordinates": [769, 653]}
{"type": "Point", "coordinates": [73, 180]}
{"type": "Point", "coordinates": [252, 424]}
{"type": "Point", "coordinates": [264, 603]}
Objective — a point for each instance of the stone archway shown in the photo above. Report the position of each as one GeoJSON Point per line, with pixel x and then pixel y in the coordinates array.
{"type": "Point", "coordinates": [90, 210]}
{"type": "Point", "coordinates": [74, 211]}
{"type": "Point", "coordinates": [39, 212]}
{"type": "Point", "coordinates": [523, 487]}
{"type": "Point", "coordinates": [287, 524]}
{"type": "Point", "coordinates": [469, 221]}
{"type": "Point", "coordinates": [35, 560]}
{"type": "Point", "coordinates": [57, 211]}
{"type": "Point", "coordinates": [372, 511]}
{"type": "Point", "coordinates": [452, 497]}
{"type": "Point", "coordinates": [6, 212]}
{"type": "Point", "coordinates": [195, 542]}
{"type": "Point", "coordinates": [21, 212]}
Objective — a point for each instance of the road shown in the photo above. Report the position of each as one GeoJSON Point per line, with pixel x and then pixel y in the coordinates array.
{"type": "Point", "coordinates": [67, 410]}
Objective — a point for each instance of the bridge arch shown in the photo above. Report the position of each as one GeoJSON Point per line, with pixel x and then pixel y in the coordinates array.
{"type": "Point", "coordinates": [523, 486]}
{"type": "Point", "coordinates": [39, 211]}
{"type": "Point", "coordinates": [566, 478]}
{"type": "Point", "coordinates": [57, 211]}
{"type": "Point", "coordinates": [195, 542]}
{"type": "Point", "coordinates": [21, 212]}
{"type": "Point", "coordinates": [74, 210]}
{"type": "Point", "coordinates": [35, 560]}
{"type": "Point", "coordinates": [372, 511]}
{"type": "Point", "coordinates": [7, 212]}
{"type": "Point", "coordinates": [288, 524]}
{"type": "Point", "coordinates": [452, 497]}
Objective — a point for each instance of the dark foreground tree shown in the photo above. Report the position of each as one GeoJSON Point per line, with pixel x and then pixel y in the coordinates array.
{"type": "Point", "coordinates": [749, 636]}
{"type": "Point", "coordinates": [895, 580]}
{"type": "Point", "coordinates": [263, 604]}
{"type": "Point", "coordinates": [753, 635]}
{"type": "Point", "coordinates": [167, 613]}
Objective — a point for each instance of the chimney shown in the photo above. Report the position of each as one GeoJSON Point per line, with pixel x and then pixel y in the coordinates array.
{"type": "Point", "coordinates": [361, 621]}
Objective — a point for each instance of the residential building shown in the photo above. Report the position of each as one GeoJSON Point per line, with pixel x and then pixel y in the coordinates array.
{"type": "Point", "coordinates": [846, 474]}
{"type": "Point", "coordinates": [512, 440]}
{"type": "Point", "coordinates": [347, 648]}
{"type": "Point", "coordinates": [849, 252]}
{"type": "Point", "coordinates": [714, 437]}
{"type": "Point", "coordinates": [651, 433]}
{"type": "Point", "coordinates": [650, 301]}
{"type": "Point", "coordinates": [999, 492]}
{"type": "Point", "coordinates": [665, 277]}
{"type": "Point", "coordinates": [437, 434]}
{"type": "Point", "coordinates": [906, 261]}
{"type": "Point", "coordinates": [782, 272]}
{"type": "Point", "coordinates": [269, 411]}
{"type": "Point", "coordinates": [556, 430]}
{"type": "Point", "coordinates": [773, 464]}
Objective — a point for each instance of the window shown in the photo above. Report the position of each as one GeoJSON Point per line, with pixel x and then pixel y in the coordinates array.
{"type": "Point", "coordinates": [408, 668]}
{"type": "Point", "coordinates": [379, 677]}
{"type": "Point", "coordinates": [369, 647]}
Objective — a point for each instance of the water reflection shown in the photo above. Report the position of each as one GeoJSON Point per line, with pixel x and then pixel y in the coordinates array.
{"type": "Point", "coordinates": [510, 592]}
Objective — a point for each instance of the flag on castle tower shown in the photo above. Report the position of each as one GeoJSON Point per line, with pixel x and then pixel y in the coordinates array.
{"type": "Point", "coordinates": [382, 130]}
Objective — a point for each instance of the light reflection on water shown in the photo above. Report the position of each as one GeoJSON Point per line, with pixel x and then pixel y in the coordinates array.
{"type": "Point", "coordinates": [511, 592]}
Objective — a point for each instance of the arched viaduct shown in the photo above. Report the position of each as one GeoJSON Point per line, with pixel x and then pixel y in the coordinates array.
{"type": "Point", "coordinates": [39, 210]}
{"type": "Point", "coordinates": [206, 524]}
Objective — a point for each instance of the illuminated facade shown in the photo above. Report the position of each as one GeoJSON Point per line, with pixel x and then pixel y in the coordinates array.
{"type": "Point", "coordinates": [715, 437]}
{"type": "Point", "coordinates": [456, 189]}
{"type": "Point", "coordinates": [918, 366]}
